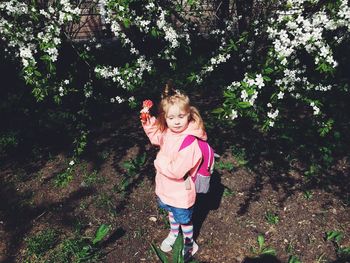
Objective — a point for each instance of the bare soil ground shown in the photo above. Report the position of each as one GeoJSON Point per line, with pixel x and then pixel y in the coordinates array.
{"type": "Point", "coordinates": [227, 220]}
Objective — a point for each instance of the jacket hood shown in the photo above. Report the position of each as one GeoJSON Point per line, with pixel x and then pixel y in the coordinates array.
{"type": "Point", "coordinates": [194, 130]}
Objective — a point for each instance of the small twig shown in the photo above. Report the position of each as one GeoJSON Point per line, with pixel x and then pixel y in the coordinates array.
{"type": "Point", "coordinates": [43, 213]}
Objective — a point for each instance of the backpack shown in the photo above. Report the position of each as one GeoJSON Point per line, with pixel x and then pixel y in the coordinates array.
{"type": "Point", "coordinates": [206, 167]}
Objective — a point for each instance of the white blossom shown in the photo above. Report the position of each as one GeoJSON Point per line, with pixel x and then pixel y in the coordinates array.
{"type": "Point", "coordinates": [234, 114]}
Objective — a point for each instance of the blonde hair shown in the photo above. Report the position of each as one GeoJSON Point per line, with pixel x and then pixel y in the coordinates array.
{"type": "Point", "coordinates": [171, 96]}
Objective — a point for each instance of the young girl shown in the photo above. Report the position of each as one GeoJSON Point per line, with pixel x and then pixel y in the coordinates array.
{"type": "Point", "coordinates": [175, 189]}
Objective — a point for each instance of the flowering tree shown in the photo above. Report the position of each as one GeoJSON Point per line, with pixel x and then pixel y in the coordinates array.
{"type": "Point", "coordinates": [298, 62]}
{"type": "Point", "coordinates": [33, 32]}
{"type": "Point", "coordinates": [285, 50]}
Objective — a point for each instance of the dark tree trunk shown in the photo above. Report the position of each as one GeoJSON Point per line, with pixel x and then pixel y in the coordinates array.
{"type": "Point", "coordinates": [244, 11]}
{"type": "Point", "coordinates": [222, 11]}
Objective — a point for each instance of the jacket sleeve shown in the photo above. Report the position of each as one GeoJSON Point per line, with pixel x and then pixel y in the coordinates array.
{"type": "Point", "coordinates": [184, 161]}
{"type": "Point", "coordinates": [152, 131]}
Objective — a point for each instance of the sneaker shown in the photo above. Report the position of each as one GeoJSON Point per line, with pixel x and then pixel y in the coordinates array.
{"type": "Point", "coordinates": [168, 242]}
{"type": "Point", "coordinates": [190, 248]}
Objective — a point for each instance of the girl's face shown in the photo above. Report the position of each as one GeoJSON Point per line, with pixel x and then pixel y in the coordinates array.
{"type": "Point", "coordinates": [177, 119]}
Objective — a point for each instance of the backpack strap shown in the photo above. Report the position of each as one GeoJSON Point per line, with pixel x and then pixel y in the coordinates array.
{"type": "Point", "coordinates": [189, 139]}
{"type": "Point", "coordinates": [207, 161]}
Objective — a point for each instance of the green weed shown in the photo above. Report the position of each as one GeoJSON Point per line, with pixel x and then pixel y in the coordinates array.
{"type": "Point", "coordinates": [290, 248]}
{"type": "Point", "coordinates": [103, 156]}
{"type": "Point", "coordinates": [132, 168]}
{"type": "Point", "coordinates": [92, 178]}
{"type": "Point", "coordinates": [271, 218]}
{"type": "Point", "coordinates": [177, 252]}
{"type": "Point", "coordinates": [336, 237]}
{"type": "Point", "coordinates": [65, 177]}
{"type": "Point", "coordinates": [307, 195]}
{"type": "Point", "coordinates": [164, 217]}
{"type": "Point", "coordinates": [262, 249]}
{"type": "Point", "coordinates": [313, 170]}
{"type": "Point", "coordinates": [105, 201]}
{"type": "Point", "coordinates": [8, 141]}
{"type": "Point", "coordinates": [228, 192]}
{"type": "Point", "coordinates": [224, 166]}
{"type": "Point", "coordinates": [81, 249]}
{"type": "Point", "coordinates": [293, 259]}
{"type": "Point", "coordinates": [240, 155]}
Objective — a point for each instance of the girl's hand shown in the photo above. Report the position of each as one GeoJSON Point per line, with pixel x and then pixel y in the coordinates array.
{"type": "Point", "coordinates": [144, 113]}
{"type": "Point", "coordinates": [145, 118]}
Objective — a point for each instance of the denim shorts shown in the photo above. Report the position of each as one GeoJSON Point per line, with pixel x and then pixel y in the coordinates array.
{"type": "Point", "coordinates": [181, 215]}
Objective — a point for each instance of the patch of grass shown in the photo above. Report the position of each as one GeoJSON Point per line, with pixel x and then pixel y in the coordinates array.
{"type": "Point", "coordinates": [105, 201]}
{"type": "Point", "coordinates": [228, 192]}
{"type": "Point", "coordinates": [224, 166]}
{"type": "Point", "coordinates": [8, 141]}
{"type": "Point", "coordinates": [103, 156]}
{"type": "Point", "coordinates": [164, 217]}
{"type": "Point", "coordinates": [83, 205]}
{"type": "Point", "coordinates": [134, 166]}
{"type": "Point", "coordinates": [290, 248]}
{"type": "Point", "coordinates": [240, 155]}
{"type": "Point", "coordinates": [80, 249]}
{"type": "Point", "coordinates": [139, 232]}
{"type": "Point", "coordinates": [271, 218]}
{"type": "Point", "coordinates": [92, 178]}
{"type": "Point", "coordinates": [64, 178]}
{"type": "Point", "coordinates": [42, 242]}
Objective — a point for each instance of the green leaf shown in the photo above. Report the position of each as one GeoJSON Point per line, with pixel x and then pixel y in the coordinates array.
{"type": "Point", "coordinates": [218, 110]}
{"type": "Point", "coordinates": [244, 104]}
{"type": "Point", "coordinates": [293, 259]}
{"type": "Point", "coordinates": [244, 84]}
{"type": "Point", "coordinates": [37, 73]}
{"type": "Point", "coordinates": [160, 254]}
{"type": "Point", "coordinates": [126, 22]}
{"type": "Point", "coordinates": [100, 233]}
{"type": "Point", "coordinates": [268, 70]}
{"type": "Point", "coordinates": [154, 32]}
{"type": "Point", "coordinates": [45, 58]}
{"type": "Point", "coordinates": [269, 251]}
{"type": "Point", "coordinates": [229, 94]}
{"type": "Point", "coordinates": [334, 235]}
{"type": "Point", "coordinates": [177, 250]}
{"type": "Point", "coordinates": [345, 251]}
{"type": "Point", "coordinates": [261, 241]}
{"type": "Point", "coordinates": [128, 165]}
{"type": "Point", "coordinates": [266, 78]}
{"type": "Point", "coordinates": [233, 45]}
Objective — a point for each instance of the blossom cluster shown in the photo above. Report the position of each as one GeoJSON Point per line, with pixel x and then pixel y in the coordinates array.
{"type": "Point", "coordinates": [128, 78]}
{"type": "Point", "coordinates": [34, 42]}
{"type": "Point", "coordinates": [223, 53]}
{"type": "Point", "coordinates": [292, 31]}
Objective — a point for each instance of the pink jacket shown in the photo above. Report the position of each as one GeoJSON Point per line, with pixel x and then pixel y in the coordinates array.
{"type": "Point", "coordinates": [172, 165]}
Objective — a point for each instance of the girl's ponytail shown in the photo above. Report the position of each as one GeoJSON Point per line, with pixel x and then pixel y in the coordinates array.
{"type": "Point", "coordinates": [169, 89]}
